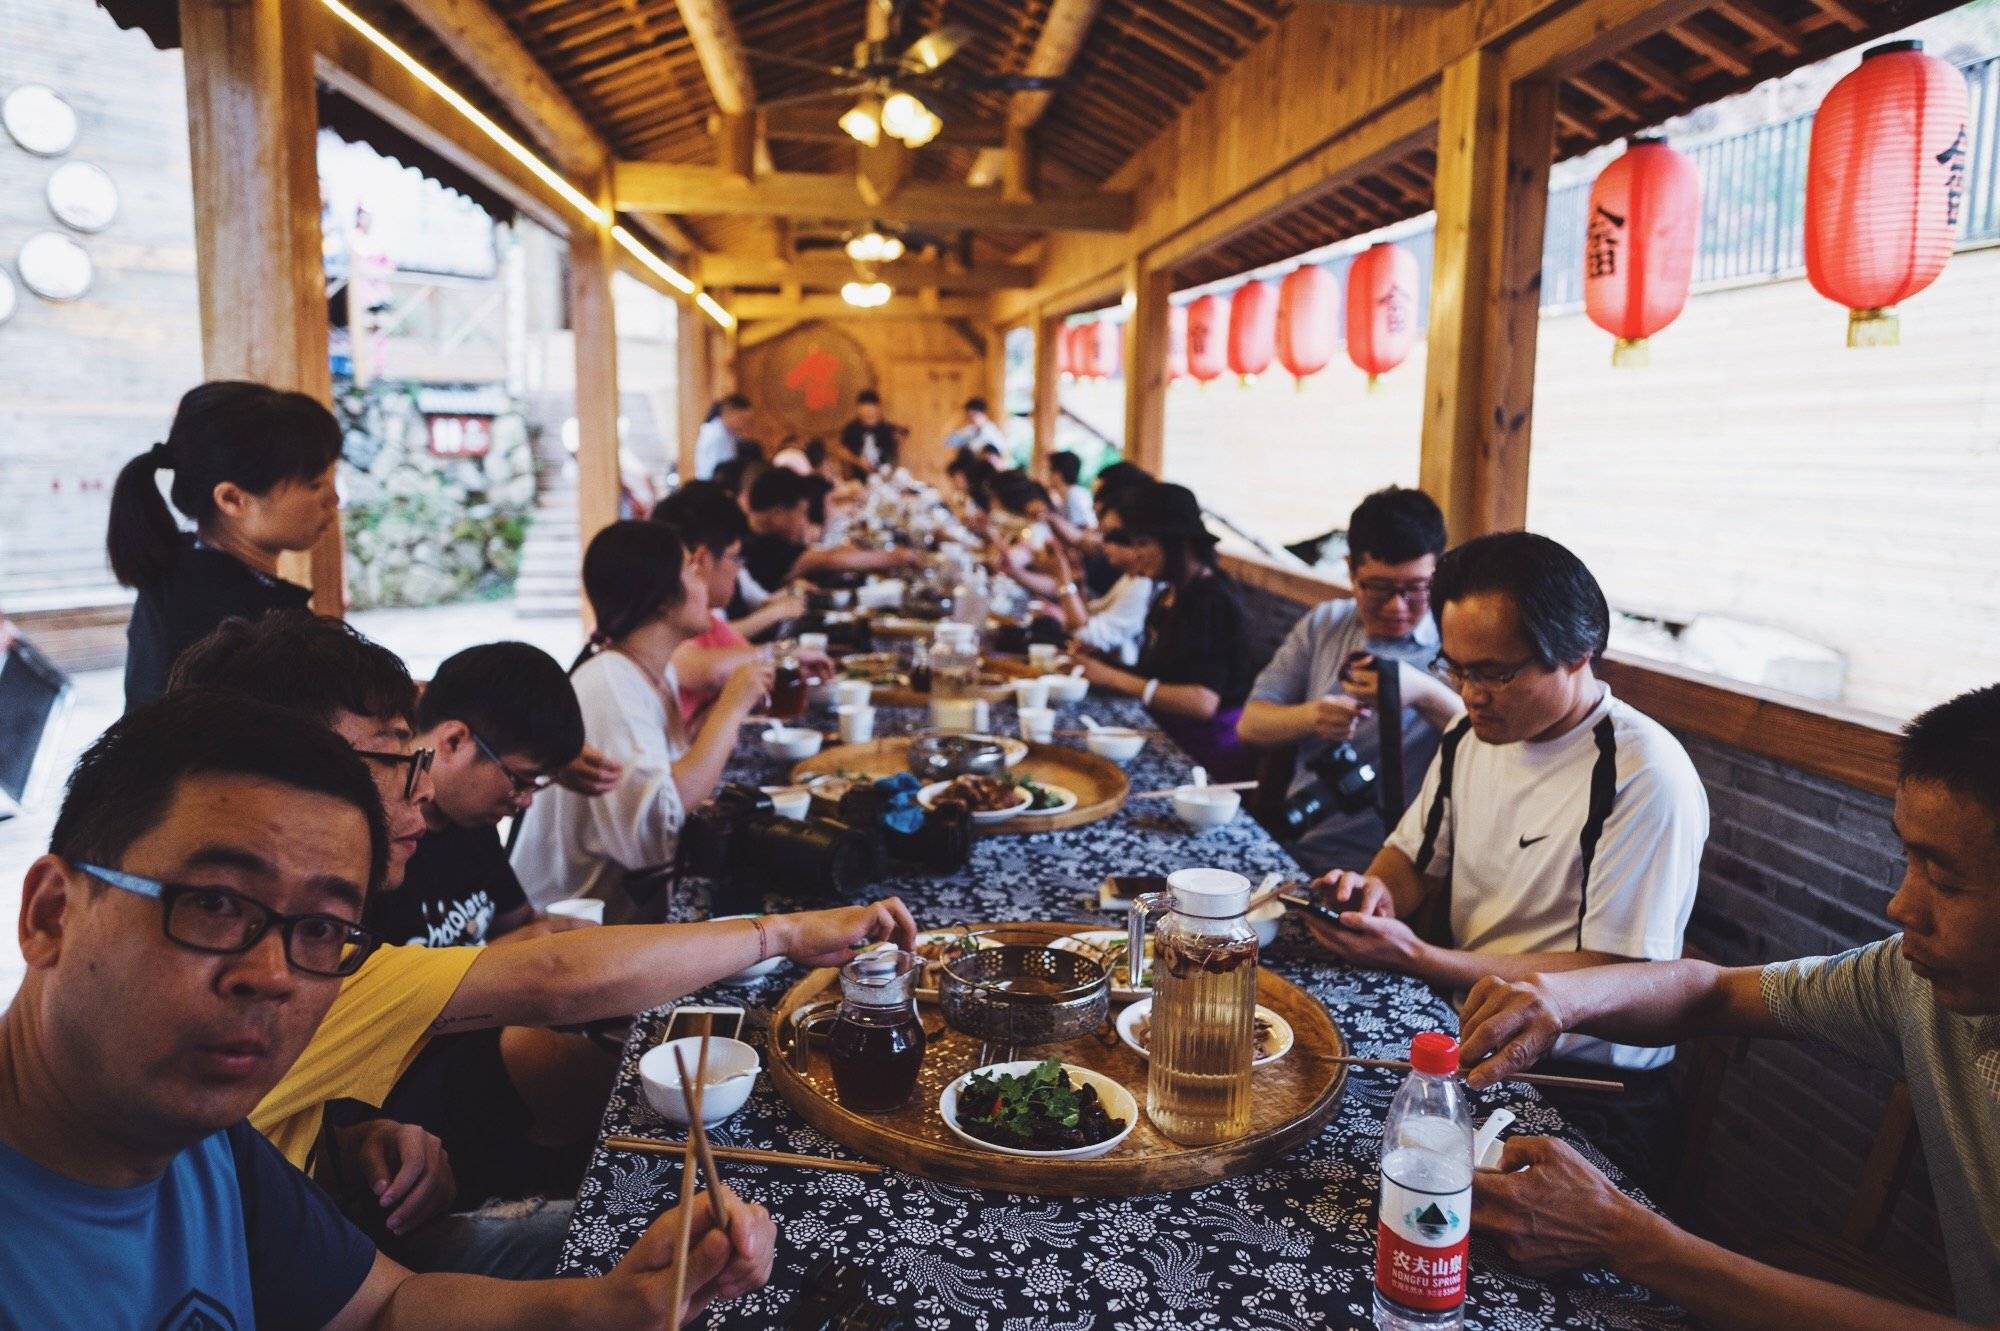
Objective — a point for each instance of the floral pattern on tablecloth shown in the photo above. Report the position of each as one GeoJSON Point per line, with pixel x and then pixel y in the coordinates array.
{"type": "Point", "coordinates": [1287, 1248]}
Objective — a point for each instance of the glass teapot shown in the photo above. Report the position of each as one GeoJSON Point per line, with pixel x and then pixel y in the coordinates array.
{"type": "Point", "coordinates": [875, 1043]}
{"type": "Point", "coordinates": [1204, 982]}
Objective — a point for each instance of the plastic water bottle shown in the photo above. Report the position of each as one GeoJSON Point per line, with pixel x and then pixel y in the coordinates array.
{"type": "Point", "coordinates": [1425, 1216]}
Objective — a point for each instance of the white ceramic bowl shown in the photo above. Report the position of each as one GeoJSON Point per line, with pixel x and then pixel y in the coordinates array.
{"type": "Point", "coordinates": [1205, 807]}
{"type": "Point", "coordinates": [754, 971]}
{"type": "Point", "coordinates": [1067, 688]}
{"type": "Point", "coordinates": [789, 801]}
{"type": "Point", "coordinates": [1118, 1102]}
{"type": "Point", "coordinates": [792, 743]}
{"type": "Point", "coordinates": [1265, 920]}
{"type": "Point", "coordinates": [1129, 1019]}
{"type": "Point", "coordinates": [732, 1075]}
{"type": "Point", "coordinates": [1118, 744]}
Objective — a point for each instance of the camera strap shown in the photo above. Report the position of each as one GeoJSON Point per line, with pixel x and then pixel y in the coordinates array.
{"type": "Point", "coordinates": [1389, 792]}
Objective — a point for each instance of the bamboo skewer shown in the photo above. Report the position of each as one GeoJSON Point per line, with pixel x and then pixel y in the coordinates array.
{"type": "Point", "coordinates": [747, 1155]}
{"type": "Point", "coordinates": [1532, 1078]}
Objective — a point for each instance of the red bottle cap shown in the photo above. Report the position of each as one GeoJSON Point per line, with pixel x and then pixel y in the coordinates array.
{"type": "Point", "coordinates": [1434, 1052]}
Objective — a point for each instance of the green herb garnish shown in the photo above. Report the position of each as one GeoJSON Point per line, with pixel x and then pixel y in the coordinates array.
{"type": "Point", "coordinates": [1026, 1106]}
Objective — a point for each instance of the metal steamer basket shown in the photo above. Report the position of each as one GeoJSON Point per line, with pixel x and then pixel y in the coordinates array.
{"type": "Point", "coordinates": [1011, 995]}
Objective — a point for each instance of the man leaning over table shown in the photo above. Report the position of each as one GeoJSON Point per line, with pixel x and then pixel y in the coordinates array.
{"type": "Point", "coordinates": [389, 1009]}
{"type": "Point", "coordinates": [183, 937]}
{"type": "Point", "coordinates": [1558, 827]}
{"type": "Point", "coordinates": [1922, 1006]}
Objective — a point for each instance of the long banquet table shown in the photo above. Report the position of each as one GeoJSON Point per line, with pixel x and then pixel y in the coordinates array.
{"type": "Point", "coordinates": [1283, 1249]}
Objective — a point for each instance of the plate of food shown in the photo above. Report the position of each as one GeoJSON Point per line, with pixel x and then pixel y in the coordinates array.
{"type": "Point", "coordinates": [1110, 946]}
{"type": "Point", "coordinates": [1045, 798]}
{"type": "Point", "coordinates": [990, 799]}
{"type": "Point", "coordinates": [1047, 1110]}
{"type": "Point", "coordinates": [1272, 1032]}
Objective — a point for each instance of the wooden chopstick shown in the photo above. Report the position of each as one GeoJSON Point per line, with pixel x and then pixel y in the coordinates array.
{"type": "Point", "coordinates": [1174, 790]}
{"type": "Point", "coordinates": [1266, 898]}
{"type": "Point", "coordinates": [747, 1155]}
{"type": "Point", "coordinates": [698, 1132]}
{"type": "Point", "coordinates": [690, 1096]}
{"type": "Point", "coordinates": [1533, 1078]}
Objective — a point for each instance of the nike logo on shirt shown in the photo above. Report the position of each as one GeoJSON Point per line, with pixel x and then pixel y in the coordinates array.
{"type": "Point", "coordinates": [1528, 841]}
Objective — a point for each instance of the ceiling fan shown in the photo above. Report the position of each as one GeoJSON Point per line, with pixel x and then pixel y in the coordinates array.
{"type": "Point", "coordinates": [894, 84]}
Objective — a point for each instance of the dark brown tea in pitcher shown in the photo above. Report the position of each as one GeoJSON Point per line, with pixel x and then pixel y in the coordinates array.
{"type": "Point", "coordinates": [875, 1058]}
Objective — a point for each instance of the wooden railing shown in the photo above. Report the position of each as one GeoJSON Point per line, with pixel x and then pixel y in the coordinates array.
{"type": "Point", "coordinates": [1849, 746]}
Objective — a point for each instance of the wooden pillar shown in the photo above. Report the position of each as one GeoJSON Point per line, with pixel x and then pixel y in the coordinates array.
{"type": "Point", "coordinates": [593, 258]}
{"type": "Point", "coordinates": [1495, 140]}
{"type": "Point", "coordinates": [253, 126]}
{"type": "Point", "coordinates": [691, 399]}
{"type": "Point", "coordinates": [1047, 382]}
{"type": "Point", "coordinates": [1146, 368]}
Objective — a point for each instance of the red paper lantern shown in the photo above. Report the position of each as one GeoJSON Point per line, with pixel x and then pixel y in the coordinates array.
{"type": "Point", "coordinates": [1638, 258]}
{"type": "Point", "coordinates": [1381, 308]}
{"type": "Point", "coordinates": [1207, 338]}
{"type": "Point", "coordinates": [1177, 335]}
{"type": "Point", "coordinates": [1086, 352]}
{"type": "Point", "coordinates": [1109, 341]}
{"type": "Point", "coordinates": [1884, 179]}
{"type": "Point", "coordinates": [1306, 332]}
{"type": "Point", "coordinates": [1253, 330]}
{"type": "Point", "coordinates": [1066, 351]}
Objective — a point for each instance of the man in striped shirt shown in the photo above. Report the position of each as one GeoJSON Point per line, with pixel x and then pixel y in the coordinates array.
{"type": "Point", "coordinates": [1923, 1006]}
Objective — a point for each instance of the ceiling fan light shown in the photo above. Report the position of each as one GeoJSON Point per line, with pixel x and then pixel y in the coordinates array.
{"type": "Point", "coordinates": [926, 129]}
{"type": "Point", "coordinates": [890, 250]}
{"type": "Point", "coordinates": [861, 125]}
{"type": "Point", "coordinates": [905, 117]}
{"type": "Point", "coordinates": [866, 295]}
{"type": "Point", "coordinates": [874, 247]}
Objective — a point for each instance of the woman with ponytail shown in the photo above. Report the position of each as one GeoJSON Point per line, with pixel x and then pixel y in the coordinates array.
{"type": "Point", "coordinates": [648, 599]}
{"type": "Point", "coordinates": [252, 468]}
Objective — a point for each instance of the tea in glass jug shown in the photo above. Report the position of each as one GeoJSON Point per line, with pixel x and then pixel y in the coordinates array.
{"type": "Point", "coordinates": [1204, 973]}
{"type": "Point", "coordinates": [876, 1044]}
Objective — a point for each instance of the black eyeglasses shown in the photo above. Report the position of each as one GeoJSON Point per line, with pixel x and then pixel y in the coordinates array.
{"type": "Point", "coordinates": [419, 761]}
{"type": "Point", "coordinates": [523, 785]}
{"type": "Point", "coordinates": [1381, 591]}
{"type": "Point", "coordinates": [1482, 675]}
{"type": "Point", "coordinates": [225, 923]}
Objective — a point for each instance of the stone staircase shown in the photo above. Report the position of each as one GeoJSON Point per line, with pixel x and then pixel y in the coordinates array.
{"type": "Point", "coordinates": [551, 556]}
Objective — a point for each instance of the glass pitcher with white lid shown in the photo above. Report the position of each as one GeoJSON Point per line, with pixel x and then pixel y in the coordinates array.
{"type": "Point", "coordinates": [1203, 1021]}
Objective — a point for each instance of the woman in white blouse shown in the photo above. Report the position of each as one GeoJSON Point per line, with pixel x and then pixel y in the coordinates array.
{"type": "Point", "coordinates": [647, 599]}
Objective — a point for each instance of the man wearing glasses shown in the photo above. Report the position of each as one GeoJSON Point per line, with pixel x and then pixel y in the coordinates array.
{"type": "Point", "coordinates": [1558, 827]}
{"type": "Point", "coordinates": [1313, 695]}
{"type": "Point", "coordinates": [191, 924]}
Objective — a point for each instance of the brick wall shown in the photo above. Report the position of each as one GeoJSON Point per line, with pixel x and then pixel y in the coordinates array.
{"type": "Point", "coordinates": [1796, 865]}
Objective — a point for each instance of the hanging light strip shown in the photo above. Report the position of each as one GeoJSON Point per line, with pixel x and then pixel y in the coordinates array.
{"type": "Point", "coordinates": [534, 165]}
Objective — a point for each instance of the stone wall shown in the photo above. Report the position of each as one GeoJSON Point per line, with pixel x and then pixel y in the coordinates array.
{"type": "Point", "coordinates": [423, 529]}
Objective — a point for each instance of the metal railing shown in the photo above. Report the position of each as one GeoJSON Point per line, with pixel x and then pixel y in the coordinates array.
{"type": "Point", "coordinates": [1753, 200]}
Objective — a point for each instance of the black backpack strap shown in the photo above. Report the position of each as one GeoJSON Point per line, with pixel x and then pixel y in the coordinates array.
{"type": "Point", "coordinates": [1603, 790]}
{"type": "Point", "coordinates": [1434, 819]}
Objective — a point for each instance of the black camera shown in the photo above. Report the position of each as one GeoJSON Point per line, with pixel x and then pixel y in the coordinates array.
{"type": "Point", "coordinates": [744, 845]}
{"type": "Point", "coordinates": [1345, 782]}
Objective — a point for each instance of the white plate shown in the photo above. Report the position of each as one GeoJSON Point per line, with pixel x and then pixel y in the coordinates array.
{"type": "Point", "coordinates": [1065, 801]}
{"type": "Point", "coordinates": [1281, 1031]}
{"type": "Point", "coordinates": [1118, 1103]}
{"type": "Point", "coordinates": [928, 795]}
{"type": "Point", "coordinates": [1093, 942]}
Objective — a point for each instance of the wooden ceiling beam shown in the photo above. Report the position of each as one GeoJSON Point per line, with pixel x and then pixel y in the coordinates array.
{"type": "Point", "coordinates": [753, 309]}
{"type": "Point", "coordinates": [705, 191]}
{"type": "Point", "coordinates": [1653, 76]}
{"type": "Point", "coordinates": [712, 31]}
{"type": "Point", "coordinates": [1063, 31]}
{"type": "Point", "coordinates": [1593, 87]}
{"type": "Point", "coordinates": [827, 271]}
{"type": "Point", "coordinates": [1718, 51]}
{"type": "Point", "coordinates": [1759, 24]}
{"type": "Point", "coordinates": [1843, 14]}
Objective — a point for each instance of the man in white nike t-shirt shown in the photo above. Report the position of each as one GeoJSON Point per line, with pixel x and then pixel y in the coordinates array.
{"type": "Point", "coordinates": [1563, 827]}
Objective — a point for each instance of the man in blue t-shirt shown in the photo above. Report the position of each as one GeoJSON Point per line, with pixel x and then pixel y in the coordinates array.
{"type": "Point", "coordinates": [185, 934]}
{"type": "Point", "coordinates": [1312, 695]}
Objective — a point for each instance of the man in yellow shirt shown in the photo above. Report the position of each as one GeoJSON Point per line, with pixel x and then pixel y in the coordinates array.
{"type": "Point", "coordinates": [402, 996]}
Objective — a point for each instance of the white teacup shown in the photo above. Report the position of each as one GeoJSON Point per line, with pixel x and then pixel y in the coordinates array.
{"type": "Point", "coordinates": [1042, 655]}
{"type": "Point", "coordinates": [1031, 693]}
{"type": "Point", "coordinates": [579, 908]}
{"type": "Point", "coordinates": [789, 801]}
{"type": "Point", "coordinates": [1038, 724]}
{"type": "Point", "coordinates": [852, 692]}
{"type": "Point", "coordinates": [813, 642]}
{"type": "Point", "coordinates": [857, 722]}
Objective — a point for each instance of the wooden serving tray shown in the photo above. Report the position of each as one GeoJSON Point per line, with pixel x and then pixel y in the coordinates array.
{"type": "Point", "coordinates": [1099, 783]}
{"type": "Point", "coordinates": [994, 688]}
{"type": "Point", "coordinates": [1291, 1101]}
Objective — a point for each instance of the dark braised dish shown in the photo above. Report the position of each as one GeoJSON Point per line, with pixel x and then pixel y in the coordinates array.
{"type": "Point", "coordinates": [1040, 1110]}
